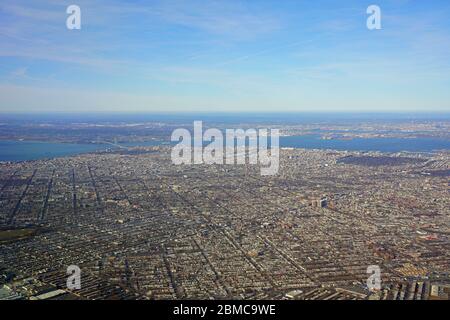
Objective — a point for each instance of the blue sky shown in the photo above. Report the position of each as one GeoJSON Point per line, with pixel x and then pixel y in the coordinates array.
{"type": "Point", "coordinates": [253, 56]}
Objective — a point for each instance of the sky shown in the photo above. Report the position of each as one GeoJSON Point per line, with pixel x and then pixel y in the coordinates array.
{"type": "Point", "coordinates": [224, 56]}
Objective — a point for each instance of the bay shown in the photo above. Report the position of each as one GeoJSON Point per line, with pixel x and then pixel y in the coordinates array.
{"type": "Point", "coordinates": [34, 150]}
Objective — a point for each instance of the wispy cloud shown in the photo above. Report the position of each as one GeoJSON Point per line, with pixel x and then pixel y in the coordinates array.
{"type": "Point", "coordinates": [230, 18]}
{"type": "Point", "coordinates": [20, 72]}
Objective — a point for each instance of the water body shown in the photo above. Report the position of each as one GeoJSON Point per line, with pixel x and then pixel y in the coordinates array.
{"type": "Point", "coordinates": [367, 144]}
{"type": "Point", "coordinates": [32, 150]}
{"type": "Point", "coordinates": [233, 118]}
